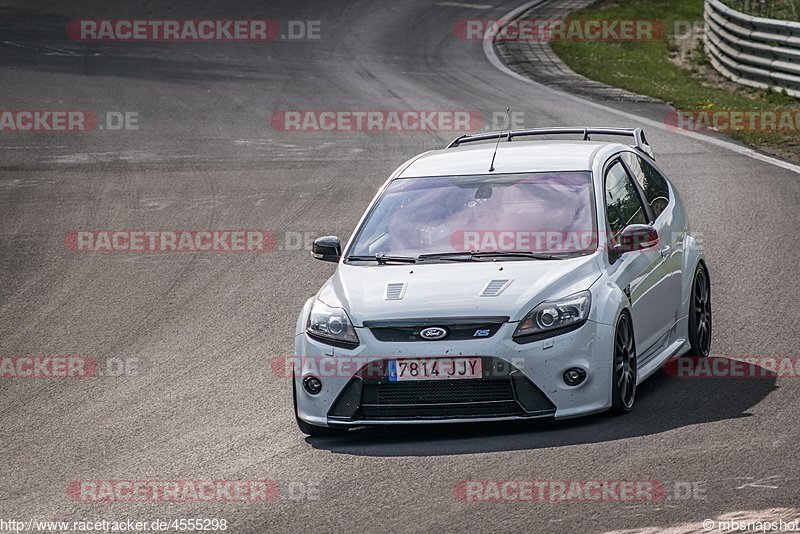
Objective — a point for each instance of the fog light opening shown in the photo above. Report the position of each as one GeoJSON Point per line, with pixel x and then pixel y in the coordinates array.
{"type": "Point", "coordinates": [312, 384]}
{"type": "Point", "coordinates": [574, 376]}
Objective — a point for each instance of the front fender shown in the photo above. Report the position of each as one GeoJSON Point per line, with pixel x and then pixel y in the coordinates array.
{"type": "Point", "coordinates": [608, 301]}
{"type": "Point", "coordinates": [300, 328]}
{"type": "Point", "coordinates": [692, 256]}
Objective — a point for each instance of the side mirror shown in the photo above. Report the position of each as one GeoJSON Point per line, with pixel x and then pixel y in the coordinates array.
{"type": "Point", "coordinates": [636, 237]}
{"type": "Point", "coordinates": [327, 248]}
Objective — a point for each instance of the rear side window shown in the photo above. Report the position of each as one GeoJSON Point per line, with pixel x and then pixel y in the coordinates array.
{"type": "Point", "coordinates": [653, 183]}
{"type": "Point", "coordinates": [623, 203]}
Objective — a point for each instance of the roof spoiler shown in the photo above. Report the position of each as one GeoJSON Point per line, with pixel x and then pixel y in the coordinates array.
{"type": "Point", "coordinates": [639, 140]}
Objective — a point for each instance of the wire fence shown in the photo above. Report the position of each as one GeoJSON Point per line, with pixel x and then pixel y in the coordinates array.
{"type": "Point", "coordinates": [771, 9]}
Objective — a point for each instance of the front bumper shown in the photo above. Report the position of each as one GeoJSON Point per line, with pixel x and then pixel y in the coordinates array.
{"type": "Point", "coordinates": [525, 381]}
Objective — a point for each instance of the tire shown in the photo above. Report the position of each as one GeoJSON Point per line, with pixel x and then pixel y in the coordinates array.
{"type": "Point", "coordinates": [624, 367]}
{"type": "Point", "coordinates": [307, 428]}
{"type": "Point", "coordinates": [700, 314]}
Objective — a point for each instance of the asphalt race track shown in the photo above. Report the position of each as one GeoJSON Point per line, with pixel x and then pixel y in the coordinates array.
{"type": "Point", "coordinates": [202, 400]}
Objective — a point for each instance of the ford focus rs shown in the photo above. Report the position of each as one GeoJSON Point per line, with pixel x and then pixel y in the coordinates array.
{"type": "Point", "coordinates": [509, 276]}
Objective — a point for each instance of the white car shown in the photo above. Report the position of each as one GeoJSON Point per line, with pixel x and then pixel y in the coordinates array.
{"type": "Point", "coordinates": [499, 280]}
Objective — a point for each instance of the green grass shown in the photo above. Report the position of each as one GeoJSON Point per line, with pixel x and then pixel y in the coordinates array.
{"type": "Point", "coordinates": [644, 67]}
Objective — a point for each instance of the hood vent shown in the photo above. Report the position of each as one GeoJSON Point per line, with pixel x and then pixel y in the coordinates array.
{"type": "Point", "coordinates": [495, 287]}
{"type": "Point", "coordinates": [395, 291]}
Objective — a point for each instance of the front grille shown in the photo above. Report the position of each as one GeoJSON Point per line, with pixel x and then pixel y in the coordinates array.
{"type": "Point", "coordinates": [349, 400]}
{"type": "Point", "coordinates": [457, 328]}
{"type": "Point", "coordinates": [531, 398]}
{"type": "Point", "coordinates": [437, 391]}
{"type": "Point", "coordinates": [502, 391]}
{"type": "Point", "coordinates": [388, 413]}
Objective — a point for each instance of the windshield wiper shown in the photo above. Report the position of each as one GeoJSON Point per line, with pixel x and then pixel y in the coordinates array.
{"type": "Point", "coordinates": [383, 259]}
{"type": "Point", "coordinates": [516, 254]}
{"type": "Point", "coordinates": [471, 256]}
{"type": "Point", "coordinates": [450, 256]}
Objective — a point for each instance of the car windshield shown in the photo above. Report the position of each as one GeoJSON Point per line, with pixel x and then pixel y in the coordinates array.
{"type": "Point", "coordinates": [547, 213]}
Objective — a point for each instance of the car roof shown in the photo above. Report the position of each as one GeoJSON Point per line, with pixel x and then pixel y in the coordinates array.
{"type": "Point", "coordinates": [513, 157]}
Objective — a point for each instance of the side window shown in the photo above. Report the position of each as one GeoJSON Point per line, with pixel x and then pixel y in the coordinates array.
{"type": "Point", "coordinates": [623, 204]}
{"type": "Point", "coordinates": [653, 183]}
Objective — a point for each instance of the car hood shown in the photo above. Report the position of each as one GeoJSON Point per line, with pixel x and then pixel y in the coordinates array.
{"type": "Point", "coordinates": [449, 289]}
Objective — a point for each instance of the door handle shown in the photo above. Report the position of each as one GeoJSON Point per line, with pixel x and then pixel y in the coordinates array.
{"type": "Point", "coordinates": [665, 251]}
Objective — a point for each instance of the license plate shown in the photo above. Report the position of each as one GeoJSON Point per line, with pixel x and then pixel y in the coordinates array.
{"type": "Point", "coordinates": [435, 369]}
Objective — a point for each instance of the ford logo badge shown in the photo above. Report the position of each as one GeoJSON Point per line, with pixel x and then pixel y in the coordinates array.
{"type": "Point", "coordinates": [433, 332]}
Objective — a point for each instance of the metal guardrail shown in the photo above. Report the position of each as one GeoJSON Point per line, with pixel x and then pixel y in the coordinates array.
{"type": "Point", "coordinates": [753, 51]}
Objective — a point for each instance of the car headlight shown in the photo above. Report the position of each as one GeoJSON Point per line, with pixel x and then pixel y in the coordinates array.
{"type": "Point", "coordinates": [556, 314]}
{"type": "Point", "coordinates": [330, 323]}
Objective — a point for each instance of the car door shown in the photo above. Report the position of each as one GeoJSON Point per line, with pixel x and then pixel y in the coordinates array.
{"type": "Point", "coordinates": [637, 272]}
{"type": "Point", "coordinates": [671, 227]}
